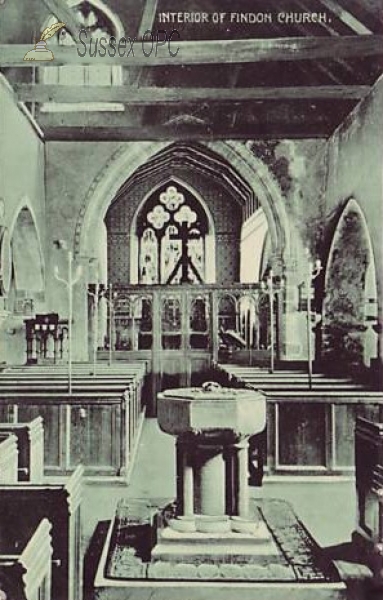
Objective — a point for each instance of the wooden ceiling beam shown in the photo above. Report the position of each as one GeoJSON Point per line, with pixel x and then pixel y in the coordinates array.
{"type": "Point", "coordinates": [212, 52]}
{"type": "Point", "coordinates": [148, 17]}
{"type": "Point", "coordinates": [163, 95]}
{"type": "Point", "coordinates": [333, 32]}
{"type": "Point", "coordinates": [346, 17]}
{"type": "Point", "coordinates": [274, 118]}
{"type": "Point", "coordinates": [364, 13]}
{"type": "Point", "coordinates": [121, 134]}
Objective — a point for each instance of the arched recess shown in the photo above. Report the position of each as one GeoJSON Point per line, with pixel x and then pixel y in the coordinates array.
{"type": "Point", "coordinates": [209, 238]}
{"type": "Point", "coordinates": [129, 157]}
{"type": "Point", "coordinates": [27, 257]}
{"type": "Point", "coordinates": [98, 21]}
{"type": "Point", "coordinates": [350, 293]}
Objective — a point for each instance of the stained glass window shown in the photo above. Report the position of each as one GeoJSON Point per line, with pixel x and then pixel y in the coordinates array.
{"type": "Point", "coordinates": [171, 229]}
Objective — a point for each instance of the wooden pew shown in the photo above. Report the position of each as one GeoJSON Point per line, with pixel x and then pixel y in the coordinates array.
{"type": "Point", "coordinates": [309, 431]}
{"type": "Point", "coordinates": [24, 505]}
{"type": "Point", "coordinates": [97, 425]}
{"type": "Point", "coordinates": [284, 380]}
{"type": "Point", "coordinates": [26, 563]}
{"type": "Point", "coordinates": [30, 444]}
{"type": "Point", "coordinates": [8, 459]}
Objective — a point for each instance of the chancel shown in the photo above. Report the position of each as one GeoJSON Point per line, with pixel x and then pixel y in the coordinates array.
{"type": "Point", "coordinates": [191, 391]}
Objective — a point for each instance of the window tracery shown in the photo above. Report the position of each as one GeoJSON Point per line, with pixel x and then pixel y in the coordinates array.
{"type": "Point", "coordinates": [171, 229]}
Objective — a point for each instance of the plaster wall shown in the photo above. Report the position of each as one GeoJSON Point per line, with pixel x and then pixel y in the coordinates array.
{"type": "Point", "coordinates": [21, 184]}
{"type": "Point", "coordinates": [355, 169]}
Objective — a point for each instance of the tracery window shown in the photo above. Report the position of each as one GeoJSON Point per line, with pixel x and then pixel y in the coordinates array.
{"type": "Point", "coordinates": [98, 22]}
{"type": "Point", "coordinates": [171, 229]}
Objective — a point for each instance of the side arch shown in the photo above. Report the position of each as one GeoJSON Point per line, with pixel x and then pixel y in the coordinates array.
{"type": "Point", "coordinates": [350, 292]}
{"type": "Point", "coordinates": [26, 252]}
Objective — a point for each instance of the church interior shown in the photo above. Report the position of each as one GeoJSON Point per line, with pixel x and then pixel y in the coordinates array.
{"type": "Point", "coordinates": [191, 307]}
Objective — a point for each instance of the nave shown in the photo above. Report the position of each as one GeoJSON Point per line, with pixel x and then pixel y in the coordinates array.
{"type": "Point", "coordinates": [191, 302]}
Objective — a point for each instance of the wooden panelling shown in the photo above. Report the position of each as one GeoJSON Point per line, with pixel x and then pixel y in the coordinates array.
{"type": "Point", "coordinates": [52, 415]}
{"type": "Point", "coordinates": [301, 435]}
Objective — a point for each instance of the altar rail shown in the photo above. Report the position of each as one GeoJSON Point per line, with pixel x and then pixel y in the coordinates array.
{"type": "Point", "coordinates": [309, 431]}
{"type": "Point", "coordinates": [97, 425]}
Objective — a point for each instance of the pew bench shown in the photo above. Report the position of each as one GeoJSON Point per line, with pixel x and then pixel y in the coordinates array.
{"type": "Point", "coordinates": [8, 458]}
{"type": "Point", "coordinates": [30, 445]}
{"type": "Point", "coordinates": [26, 562]}
{"type": "Point", "coordinates": [309, 431]}
{"type": "Point", "coordinates": [96, 425]}
{"type": "Point", "coordinates": [24, 505]}
{"type": "Point", "coordinates": [97, 429]}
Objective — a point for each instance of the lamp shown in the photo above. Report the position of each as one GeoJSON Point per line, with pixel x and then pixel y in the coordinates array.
{"type": "Point", "coordinates": [314, 270]}
{"type": "Point", "coordinates": [70, 282]}
{"type": "Point", "coordinates": [268, 287]}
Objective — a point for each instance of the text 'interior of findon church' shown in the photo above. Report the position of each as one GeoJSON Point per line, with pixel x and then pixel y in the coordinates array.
{"type": "Point", "coordinates": [191, 272]}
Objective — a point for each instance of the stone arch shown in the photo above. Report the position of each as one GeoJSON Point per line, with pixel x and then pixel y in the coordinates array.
{"type": "Point", "coordinates": [129, 157]}
{"type": "Point", "coordinates": [350, 292]}
{"type": "Point", "coordinates": [210, 238]}
{"type": "Point", "coordinates": [26, 253]}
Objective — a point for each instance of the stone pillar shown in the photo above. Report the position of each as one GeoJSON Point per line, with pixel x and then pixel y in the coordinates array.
{"type": "Point", "coordinates": [80, 351]}
{"type": "Point", "coordinates": [243, 474]}
{"type": "Point", "coordinates": [230, 457]}
{"type": "Point", "coordinates": [185, 478]}
{"type": "Point", "coordinates": [188, 482]}
{"type": "Point", "coordinates": [293, 334]}
{"type": "Point", "coordinates": [212, 473]}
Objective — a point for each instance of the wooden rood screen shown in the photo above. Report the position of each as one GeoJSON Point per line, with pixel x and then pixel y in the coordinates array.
{"type": "Point", "coordinates": [180, 328]}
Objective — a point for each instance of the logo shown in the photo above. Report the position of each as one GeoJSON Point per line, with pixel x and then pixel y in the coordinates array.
{"type": "Point", "coordinates": [40, 51]}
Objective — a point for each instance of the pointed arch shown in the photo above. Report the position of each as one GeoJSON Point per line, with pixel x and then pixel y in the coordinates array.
{"type": "Point", "coordinates": [26, 252]}
{"type": "Point", "coordinates": [350, 291]}
{"type": "Point", "coordinates": [129, 157]}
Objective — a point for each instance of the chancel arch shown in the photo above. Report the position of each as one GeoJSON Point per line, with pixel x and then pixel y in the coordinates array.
{"type": "Point", "coordinates": [238, 184]}
{"type": "Point", "coordinates": [235, 155]}
{"type": "Point", "coordinates": [350, 293]}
